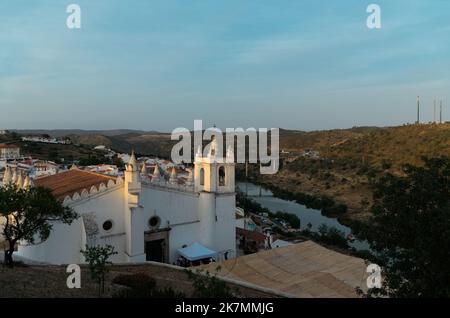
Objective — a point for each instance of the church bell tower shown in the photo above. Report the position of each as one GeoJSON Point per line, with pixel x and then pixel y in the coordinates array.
{"type": "Point", "coordinates": [215, 184]}
{"type": "Point", "coordinates": [212, 173]}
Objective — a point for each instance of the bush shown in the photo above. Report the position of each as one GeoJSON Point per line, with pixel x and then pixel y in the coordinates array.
{"type": "Point", "coordinates": [97, 259]}
{"type": "Point", "coordinates": [208, 286]}
{"type": "Point", "coordinates": [332, 236]}
{"type": "Point", "coordinates": [135, 280]}
{"type": "Point", "coordinates": [335, 210]}
{"type": "Point", "coordinates": [141, 285]}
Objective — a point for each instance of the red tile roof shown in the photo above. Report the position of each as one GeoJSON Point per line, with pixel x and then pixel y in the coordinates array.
{"type": "Point", "coordinates": [8, 146]}
{"type": "Point", "coordinates": [253, 235]}
{"type": "Point", "coordinates": [69, 182]}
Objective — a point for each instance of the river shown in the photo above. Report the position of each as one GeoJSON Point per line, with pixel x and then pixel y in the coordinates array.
{"type": "Point", "coordinates": [315, 217]}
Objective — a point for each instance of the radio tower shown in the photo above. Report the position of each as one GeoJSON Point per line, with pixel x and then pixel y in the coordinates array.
{"type": "Point", "coordinates": [434, 111]}
{"type": "Point", "coordinates": [418, 110]}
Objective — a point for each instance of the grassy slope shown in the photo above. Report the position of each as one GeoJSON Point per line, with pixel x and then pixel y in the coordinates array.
{"type": "Point", "coordinates": [400, 145]}
{"type": "Point", "coordinates": [349, 151]}
{"type": "Point", "coordinates": [50, 281]}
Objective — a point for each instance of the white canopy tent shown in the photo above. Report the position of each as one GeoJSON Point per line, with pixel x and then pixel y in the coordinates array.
{"type": "Point", "coordinates": [196, 251]}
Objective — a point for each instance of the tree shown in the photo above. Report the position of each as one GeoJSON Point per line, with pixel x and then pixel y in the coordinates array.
{"type": "Point", "coordinates": [118, 162]}
{"type": "Point", "coordinates": [29, 215]}
{"type": "Point", "coordinates": [91, 160]}
{"type": "Point", "coordinates": [140, 285]}
{"type": "Point", "coordinates": [97, 258]}
{"type": "Point", "coordinates": [410, 231]}
{"type": "Point", "coordinates": [332, 236]}
{"type": "Point", "coordinates": [209, 286]}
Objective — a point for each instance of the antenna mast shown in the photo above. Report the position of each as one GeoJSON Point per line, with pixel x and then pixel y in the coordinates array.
{"type": "Point", "coordinates": [418, 110]}
{"type": "Point", "coordinates": [434, 111]}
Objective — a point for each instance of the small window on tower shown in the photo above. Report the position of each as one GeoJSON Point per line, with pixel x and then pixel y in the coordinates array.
{"type": "Point", "coordinates": [221, 176]}
{"type": "Point", "coordinates": [202, 176]}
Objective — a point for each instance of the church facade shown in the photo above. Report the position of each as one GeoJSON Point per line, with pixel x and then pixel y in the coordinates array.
{"type": "Point", "coordinates": [145, 217]}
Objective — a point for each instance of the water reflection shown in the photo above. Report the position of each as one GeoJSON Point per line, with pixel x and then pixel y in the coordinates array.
{"type": "Point", "coordinates": [312, 216]}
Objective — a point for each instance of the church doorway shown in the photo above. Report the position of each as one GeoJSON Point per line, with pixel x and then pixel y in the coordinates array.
{"type": "Point", "coordinates": [157, 246]}
{"type": "Point", "coordinates": [154, 250]}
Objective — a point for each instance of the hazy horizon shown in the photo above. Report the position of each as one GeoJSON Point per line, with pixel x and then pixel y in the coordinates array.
{"type": "Point", "coordinates": [157, 65]}
{"type": "Point", "coordinates": [190, 128]}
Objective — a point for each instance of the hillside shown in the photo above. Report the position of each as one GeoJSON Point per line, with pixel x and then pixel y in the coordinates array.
{"type": "Point", "coordinates": [350, 159]}
{"type": "Point", "coordinates": [397, 145]}
{"type": "Point", "coordinates": [53, 152]}
{"type": "Point", "coordinates": [146, 143]}
{"type": "Point", "coordinates": [57, 133]}
{"type": "Point", "coordinates": [294, 140]}
{"type": "Point", "coordinates": [157, 144]}
{"type": "Point", "coordinates": [372, 145]}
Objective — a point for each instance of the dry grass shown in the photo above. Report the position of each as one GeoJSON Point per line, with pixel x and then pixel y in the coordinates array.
{"type": "Point", "coordinates": [357, 147]}
{"type": "Point", "coordinates": [50, 281]}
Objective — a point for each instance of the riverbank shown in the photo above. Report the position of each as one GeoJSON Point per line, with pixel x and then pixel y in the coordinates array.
{"type": "Point", "coordinates": [347, 198]}
{"type": "Point", "coordinates": [315, 226]}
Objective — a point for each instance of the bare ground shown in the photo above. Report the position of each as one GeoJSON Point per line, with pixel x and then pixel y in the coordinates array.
{"type": "Point", "coordinates": [50, 281]}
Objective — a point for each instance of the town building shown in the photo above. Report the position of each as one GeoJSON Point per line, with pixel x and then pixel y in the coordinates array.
{"type": "Point", "coordinates": [9, 151]}
{"type": "Point", "coordinates": [47, 140]}
{"type": "Point", "coordinates": [43, 168]}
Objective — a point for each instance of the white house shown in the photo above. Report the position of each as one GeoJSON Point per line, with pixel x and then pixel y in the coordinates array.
{"type": "Point", "coordinates": [100, 147]}
{"type": "Point", "coordinates": [110, 170]}
{"type": "Point", "coordinates": [47, 140]}
{"type": "Point", "coordinates": [44, 168]}
{"type": "Point", "coordinates": [280, 243]}
{"type": "Point", "coordinates": [145, 217]}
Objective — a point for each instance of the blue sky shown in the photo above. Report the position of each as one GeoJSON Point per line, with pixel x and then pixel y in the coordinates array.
{"type": "Point", "coordinates": [158, 65]}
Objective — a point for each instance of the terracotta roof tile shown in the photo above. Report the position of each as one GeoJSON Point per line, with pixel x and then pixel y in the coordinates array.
{"type": "Point", "coordinates": [72, 181]}
{"type": "Point", "coordinates": [8, 146]}
{"type": "Point", "coordinates": [253, 235]}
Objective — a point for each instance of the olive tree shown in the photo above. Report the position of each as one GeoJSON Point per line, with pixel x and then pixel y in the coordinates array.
{"type": "Point", "coordinates": [29, 215]}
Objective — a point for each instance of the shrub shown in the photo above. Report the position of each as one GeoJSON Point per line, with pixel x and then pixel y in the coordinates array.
{"type": "Point", "coordinates": [97, 258]}
{"type": "Point", "coordinates": [141, 285]}
{"type": "Point", "coordinates": [332, 236]}
{"type": "Point", "coordinates": [208, 286]}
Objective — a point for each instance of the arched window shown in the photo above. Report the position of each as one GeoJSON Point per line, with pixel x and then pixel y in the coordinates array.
{"type": "Point", "coordinates": [222, 176]}
{"type": "Point", "coordinates": [202, 176]}
{"type": "Point", "coordinates": [154, 222]}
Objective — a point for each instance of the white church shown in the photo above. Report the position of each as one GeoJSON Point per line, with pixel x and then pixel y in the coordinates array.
{"type": "Point", "coordinates": [145, 217]}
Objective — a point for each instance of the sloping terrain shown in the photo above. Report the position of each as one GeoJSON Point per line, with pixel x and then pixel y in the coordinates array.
{"type": "Point", "coordinates": [47, 281]}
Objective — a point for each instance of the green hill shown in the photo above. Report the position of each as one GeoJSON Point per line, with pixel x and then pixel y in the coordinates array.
{"type": "Point", "coordinates": [374, 146]}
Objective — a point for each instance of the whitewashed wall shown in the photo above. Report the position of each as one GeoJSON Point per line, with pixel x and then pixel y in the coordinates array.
{"type": "Point", "coordinates": [65, 242]}
{"type": "Point", "coordinates": [176, 207]}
